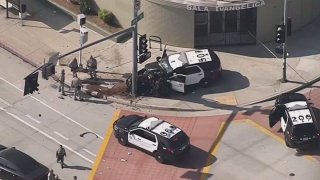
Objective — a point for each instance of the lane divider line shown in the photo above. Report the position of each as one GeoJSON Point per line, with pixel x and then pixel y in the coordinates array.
{"type": "Point", "coordinates": [104, 145]}
{"type": "Point", "coordinates": [33, 119]}
{"type": "Point", "coordinates": [57, 133]}
{"type": "Point", "coordinates": [5, 102]}
{"type": "Point", "coordinates": [89, 152]}
{"type": "Point", "coordinates": [45, 134]}
{"type": "Point", "coordinates": [60, 113]}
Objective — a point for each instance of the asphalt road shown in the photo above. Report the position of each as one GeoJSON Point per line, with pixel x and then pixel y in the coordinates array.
{"type": "Point", "coordinates": [37, 124]}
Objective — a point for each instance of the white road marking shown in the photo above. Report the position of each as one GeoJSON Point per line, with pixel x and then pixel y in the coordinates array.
{"type": "Point", "coordinates": [60, 113]}
{"type": "Point", "coordinates": [45, 134]}
{"type": "Point", "coordinates": [57, 133]}
{"type": "Point", "coordinates": [33, 119]}
{"type": "Point", "coordinates": [89, 152]}
{"type": "Point", "coordinates": [5, 102]}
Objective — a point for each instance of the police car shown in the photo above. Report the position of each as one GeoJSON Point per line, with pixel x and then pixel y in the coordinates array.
{"type": "Point", "coordinates": [297, 120]}
{"type": "Point", "coordinates": [163, 140]}
{"type": "Point", "coordinates": [179, 72]}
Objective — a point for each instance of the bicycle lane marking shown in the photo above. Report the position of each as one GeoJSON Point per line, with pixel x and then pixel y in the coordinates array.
{"type": "Point", "coordinates": [104, 145]}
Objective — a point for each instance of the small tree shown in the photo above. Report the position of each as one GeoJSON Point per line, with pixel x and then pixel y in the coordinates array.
{"type": "Point", "coordinates": [85, 6]}
{"type": "Point", "coordinates": [105, 15]}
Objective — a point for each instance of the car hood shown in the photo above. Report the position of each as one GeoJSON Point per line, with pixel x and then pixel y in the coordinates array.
{"type": "Point", "coordinates": [39, 173]}
{"type": "Point", "coordinates": [126, 121]}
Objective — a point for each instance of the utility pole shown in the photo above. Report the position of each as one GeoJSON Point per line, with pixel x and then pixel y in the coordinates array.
{"type": "Point", "coordinates": [134, 48]}
{"type": "Point", "coordinates": [284, 68]}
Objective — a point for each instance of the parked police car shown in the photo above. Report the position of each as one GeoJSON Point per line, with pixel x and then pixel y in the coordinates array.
{"type": "Point", "coordinates": [164, 140]}
{"type": "Point", "coordinates": [297, 120]}
{"type": "Point", "coordinates": [179, 72]}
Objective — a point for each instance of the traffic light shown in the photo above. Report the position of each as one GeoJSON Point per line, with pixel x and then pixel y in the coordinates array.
{"type": "Point", "coordinates": [31, 83]}
{"type": "Point", "coordinates": [143, 57]}
{"type": "Point", "coordinates": [143, 46]}
{"type": "Point", "coordinates": [47, 70]}
{"type": "Point", "coordinates": [23, 8]}
{"type": "Point", "coordinates": [280, 34]}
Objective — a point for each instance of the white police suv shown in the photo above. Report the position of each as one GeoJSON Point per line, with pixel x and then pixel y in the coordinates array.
{"type": "Point", "coordinates": [296, 118]}
{"type": "Point", "coordinates": [158, 137]}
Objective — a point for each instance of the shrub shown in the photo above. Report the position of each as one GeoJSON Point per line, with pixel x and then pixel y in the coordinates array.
{"type": "Point", "coordinates": [85, 6]}
{"type": "Point", "coordinates": [105, 15]}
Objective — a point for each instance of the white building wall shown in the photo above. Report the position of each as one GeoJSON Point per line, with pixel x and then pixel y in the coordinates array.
{"type": "Point", "coordinates": [175, 26]}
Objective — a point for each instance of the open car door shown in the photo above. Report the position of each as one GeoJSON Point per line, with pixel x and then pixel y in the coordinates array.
{"type": "Point", "coordinates": [275, 115]}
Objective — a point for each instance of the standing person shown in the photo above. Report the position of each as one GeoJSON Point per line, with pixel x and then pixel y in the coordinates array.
{"type": "Point", "coordinates": [75, 178]}
{"type": "Point", "coordinates": [92, 67]}
{"type": "Point", "coordinates": [76, 84]}
{"type": "Point", "coordinates": [51, 175]}
{"type": "Point", "coordinates": [60, 154]}
{"type": "Point", "coordinates": [61, 83]}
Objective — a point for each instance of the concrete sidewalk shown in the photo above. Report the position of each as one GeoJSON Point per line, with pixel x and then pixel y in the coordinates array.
{"type": "Point", "coordinates": [250, 73]}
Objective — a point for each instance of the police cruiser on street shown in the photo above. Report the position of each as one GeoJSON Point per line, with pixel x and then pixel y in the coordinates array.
{"type": "Point", "coordinates": [158, 137]}
{"type": "Point", "coordinates": [179, 72]}
{"type": "Point", "coordinates": [297, 120]}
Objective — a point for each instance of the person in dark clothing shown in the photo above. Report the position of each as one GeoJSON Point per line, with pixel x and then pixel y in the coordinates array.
{"type": "Point", "coordinates": [60, 154]}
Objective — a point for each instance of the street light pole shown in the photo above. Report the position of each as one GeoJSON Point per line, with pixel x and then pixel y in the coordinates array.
{"type": "Point", "coordinates": [134, 48]}
{"type": "Point", "coordinates": [284, 69]}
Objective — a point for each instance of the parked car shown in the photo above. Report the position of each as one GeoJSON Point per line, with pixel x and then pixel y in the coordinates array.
{"type": "Point", "coordinates": [163, 140]}
{"type": "Point", "coordinates": [179, 72]}
{"type": "Point", "coordinates": [16, 165]}
{"type": "Point", "coordinates": [296, 118]}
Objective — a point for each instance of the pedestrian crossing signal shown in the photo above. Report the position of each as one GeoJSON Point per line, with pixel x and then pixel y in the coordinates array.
{"type": "Point", "coordinates": [31, 83]}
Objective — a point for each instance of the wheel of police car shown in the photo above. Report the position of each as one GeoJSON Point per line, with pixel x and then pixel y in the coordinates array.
{"type": "Point", "coordinates": [123, 140]}
{"type": "Point", "coordinates": [158, 157]}
{"type": "Point", "coordinates": [205, 82]}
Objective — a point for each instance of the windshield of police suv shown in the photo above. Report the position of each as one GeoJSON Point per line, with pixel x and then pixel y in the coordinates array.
{"type": "Point", "coordinates": [164, 64]}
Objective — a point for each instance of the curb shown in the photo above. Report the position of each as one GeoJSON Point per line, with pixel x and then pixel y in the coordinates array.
{"type": "Point", "coordinates": [92, 26]}
{"type": "Point", "coordinates": [17, 53]}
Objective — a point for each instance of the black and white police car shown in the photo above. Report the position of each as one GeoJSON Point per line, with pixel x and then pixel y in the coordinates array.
{"type": "Point", "coordinates": [158, 137]}
{"type": "Point", "coordinates": [296, 118]}
{"type": "Point", "coordinates": [179, 72]}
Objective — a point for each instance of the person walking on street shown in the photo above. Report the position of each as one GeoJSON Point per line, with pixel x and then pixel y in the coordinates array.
{"type": "Point", "coordinates": [51, 175]}
{"type": "Point", "coordinates": [61, 83]}
{"type": "Point", "coordinates": [92, 67]}
{"type": "Point", "coordinates": [60, 154]}
{"type": "Point", "coordinates": [77, 85]}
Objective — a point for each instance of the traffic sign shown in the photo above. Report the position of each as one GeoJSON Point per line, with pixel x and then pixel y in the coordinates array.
{"type": "Point", "coordinates": [138, 18]}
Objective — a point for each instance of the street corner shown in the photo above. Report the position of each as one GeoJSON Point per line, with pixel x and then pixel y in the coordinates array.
{"type": "Point", "coordinates": [122, 162]}
{"type": "Point", "coordinates": [260, 154]}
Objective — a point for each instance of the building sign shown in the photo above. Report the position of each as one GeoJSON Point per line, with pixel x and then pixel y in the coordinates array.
{"type": "Point", "coordinates": [211, 5]}
{"type": "Point", "coordinates": [234, 7]}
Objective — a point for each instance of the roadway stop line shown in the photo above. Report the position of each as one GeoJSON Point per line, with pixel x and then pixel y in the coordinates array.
{"type": "Point", "coordinates": [45, 134]}
{"type": "Point", "coordinates": [60, 113]}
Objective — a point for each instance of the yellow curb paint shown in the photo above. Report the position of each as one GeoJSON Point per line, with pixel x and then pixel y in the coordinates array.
{"type": "Point", "coordinates": [214, 151]}
{"type": "Point", "coordinates": [269, 133]}
{"type": "Point", "coordinates": [104, 145]}
{"type": "Point", "coordinates": [227, 99]}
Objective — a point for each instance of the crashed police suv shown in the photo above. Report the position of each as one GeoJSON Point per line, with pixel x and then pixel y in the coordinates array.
{"type": "Point", "coordinates": [297, 120]}
{"type": "Point", "coordinates": [179, 72]}
{"type": "Point", "coordinates": [163, 140]}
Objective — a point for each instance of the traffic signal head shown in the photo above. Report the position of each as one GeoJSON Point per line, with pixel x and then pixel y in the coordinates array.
{"type": "Point", "coordinates": [47, 70]}
{"type": "Point", "coordinates": [280, 34]}
{"type": "Point", "coordinates": [143, 44]}
{"type": "Point", "coordinates": [143, 57]}
{"type": "Point", "coordinates": [31, 83]}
